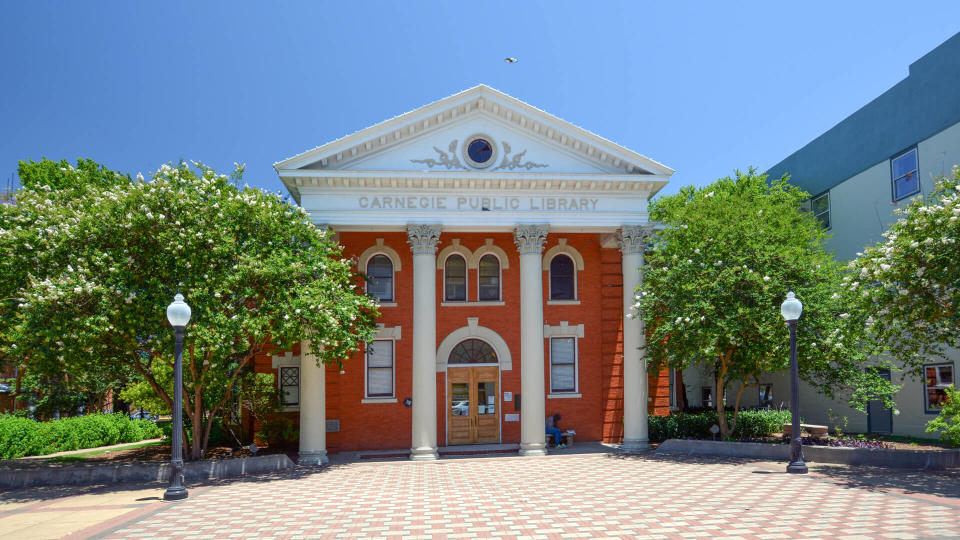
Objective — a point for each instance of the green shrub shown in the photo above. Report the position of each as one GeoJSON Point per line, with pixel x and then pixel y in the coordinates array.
{"type": "Point", "coordinates": [751, 423]}
{"type": "Point", "coordinates": [948, 421]}
{"type": "Point", "coordinates": [21, 437]}
{"type": "Point", "coordinates": [756, 423]}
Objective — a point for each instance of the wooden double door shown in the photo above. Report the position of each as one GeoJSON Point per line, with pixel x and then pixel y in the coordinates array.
{"type": "Point", "coordinates": [472, 405]}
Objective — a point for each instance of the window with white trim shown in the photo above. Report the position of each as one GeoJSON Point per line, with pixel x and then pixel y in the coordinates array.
{"type": "Point", "coordinates": [488, 278]}
{"type": "Point", "coordinates": [563, 280]}
{"type": "Point", "coordinates": [380, 368]}
{"type": "Point", "coordinates": [766, 396]}
{"type": "Point", "coordinates": [820, 206]}
{"type": "Point", "coordinates": [936, 378]}
{"type": "Point", "coordinates": [455, 279]}
{"type": "Point", "coordinates": [380, 272]}
{"type": "Point", "coordinates": [903, 175]}
{"type": "Point", "coordinates": [288, 378]}
{"type": "Point", "coordinates": [563, 365]}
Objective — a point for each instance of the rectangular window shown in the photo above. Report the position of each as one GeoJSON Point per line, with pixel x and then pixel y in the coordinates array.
{"type": "Point", "coordinates": [820, 206]}
{"type": "Point", "coordinates": [563, 365]}
{"type": "Point", "coordinates": [380, 368]}
{"type": "Point", "coordinates": [289, 378]}
{"type": "Point", "coordinates": [903, 173]}
{"type": "Point", "coordinates": [766, 395]}
{"type": "Point", "coordinates": [936, 377]}
{"type": "Point", "coordinates": [706, 396]}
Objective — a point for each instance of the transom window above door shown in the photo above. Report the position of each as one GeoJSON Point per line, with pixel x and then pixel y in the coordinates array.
{"type": "Point", "coordinates": [472, 351]}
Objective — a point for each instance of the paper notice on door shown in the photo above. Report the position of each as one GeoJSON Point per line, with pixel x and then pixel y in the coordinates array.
{"type": "Point", "coordinates": [511, 418]}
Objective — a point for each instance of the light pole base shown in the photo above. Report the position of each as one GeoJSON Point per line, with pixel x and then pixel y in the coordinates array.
{"type": "Point", "coordinates": [175, 493]}
{"type": "Point", "coordinates": [797, 467]}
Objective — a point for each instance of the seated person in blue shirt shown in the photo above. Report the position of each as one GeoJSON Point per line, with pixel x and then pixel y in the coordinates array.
{"type": "Point", "coordinates": [553, 428]}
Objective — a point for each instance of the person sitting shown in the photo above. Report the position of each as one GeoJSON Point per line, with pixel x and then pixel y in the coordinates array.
{"type": "Point", "coordinates": [553, 428]}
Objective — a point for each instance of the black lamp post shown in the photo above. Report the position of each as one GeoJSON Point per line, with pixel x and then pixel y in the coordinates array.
{"type": "Point", "coordinates": [791, 308]}
{"type": "Point", "coordinates": [178, 313]}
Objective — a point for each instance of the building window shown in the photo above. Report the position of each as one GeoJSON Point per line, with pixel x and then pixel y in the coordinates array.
{"type": "Point", "coordinates": [937, 377]}
{"type": "Point", "coordinates": [455, 279]}
{"type": "Point", "coordinates": [903, 172]}
{"type": "Point", "coordinates": [380, 368]}
{"type": "Point", "coordinates": [563, 365]}
{"type": "Point", "coordinates": [289, 380]}
{"type": "Point", "coordinates": [706, 396]}
{"type": "Point", "coordinates": [766, 396]}
{"type": "Point", "coordinates": [472, 351]}
{"type": "Point", "coordinates": [488, 273]}
{"type": "Point", "coordinates": [380, 272]}
{"type": "Point", "coordinates": [820, 205]}
{"type": "Point", "coordinates": [563, 285]}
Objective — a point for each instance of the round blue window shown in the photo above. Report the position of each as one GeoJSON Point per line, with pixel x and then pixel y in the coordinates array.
{"type": "Point", "coordinates": [480, 150]}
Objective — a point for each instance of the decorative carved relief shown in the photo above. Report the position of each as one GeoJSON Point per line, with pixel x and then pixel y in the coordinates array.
{"type": "Point", "coordinates": [423, 239]}
{"type": "Point", "coordinates": [633, 238]}
{"type": "Point", "coordinates": [448, 160]}
{"type": "Point", "coordinates": [511, 163]}
{"type": "Point", "coordinates": [530, 238]}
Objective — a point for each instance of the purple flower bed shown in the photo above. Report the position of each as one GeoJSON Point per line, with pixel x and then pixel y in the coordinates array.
{"type": "Point", "coordinates": [847, 442]}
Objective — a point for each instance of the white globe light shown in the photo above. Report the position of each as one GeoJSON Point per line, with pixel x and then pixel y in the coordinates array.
{"type": "Point", "coordinates": [178, 313]}
{"type": "Point", "coordinates": [791, 308]}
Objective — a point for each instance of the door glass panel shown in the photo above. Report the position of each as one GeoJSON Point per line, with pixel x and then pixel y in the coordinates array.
{"type": "Point", "coordinates": [460, 399]}
{"type": "Point", "coordinates": [486, 398]}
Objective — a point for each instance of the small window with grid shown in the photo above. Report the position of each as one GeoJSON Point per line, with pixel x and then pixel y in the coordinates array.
{"type": "Point", "coordinates": [289, 386]}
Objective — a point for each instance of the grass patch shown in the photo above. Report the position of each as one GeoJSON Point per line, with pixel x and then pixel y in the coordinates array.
{"type": "Point", "coordinates": [907, 440]}
{"type": "Point", "coordinates": [84, 455]}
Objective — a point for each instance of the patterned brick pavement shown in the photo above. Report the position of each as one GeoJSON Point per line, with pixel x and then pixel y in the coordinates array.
{"type": "Point", "coordinates": [565, 496]}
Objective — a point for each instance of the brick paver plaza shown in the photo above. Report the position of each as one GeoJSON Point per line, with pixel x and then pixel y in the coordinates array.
{"type": "Point", "coordinates": [584, 495]}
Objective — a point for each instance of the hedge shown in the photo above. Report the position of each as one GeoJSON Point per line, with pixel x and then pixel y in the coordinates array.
{"type": "Point", "coordinates": [751, 423]}
{"type": "Point", "coordinates": [21, 437]}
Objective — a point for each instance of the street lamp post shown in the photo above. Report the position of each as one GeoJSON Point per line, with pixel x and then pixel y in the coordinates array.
{"type": "Point", "coordinates": [178, 313]}
{"type": "Point", "coordinates": [791, 310]}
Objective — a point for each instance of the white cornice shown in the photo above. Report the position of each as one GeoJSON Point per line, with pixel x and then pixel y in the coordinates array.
{"type": "Point", "coordinates": [485, 100]}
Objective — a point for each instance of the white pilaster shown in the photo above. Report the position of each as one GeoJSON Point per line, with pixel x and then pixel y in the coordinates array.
{"type": "Point", "coordinates": [313, 408]}
{"type": "Point", "coordinates": [635, 434]}
{"type": "Point", "coordinates": [530, 240]}
{"type": "Point", "coordinates": [423, 241]}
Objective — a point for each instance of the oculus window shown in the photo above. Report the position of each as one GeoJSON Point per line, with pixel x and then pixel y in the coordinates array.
{"type": "Point", "coordinates": [380, 368]}
{"type": "Point", "coordinates": [455, 279]}
{"type": "Point", "coordinates": [488, 273]}
{"type": "Point", "coordinates": [480, 151]}
{"type": "Point", "coordinates": [903, 173]}
{"type": "Point", "coordinates": [562, 278]}
{"type": "Point", "coordinates": [563, 365]}
{"type": "Point", "coordinates": [380, 272]}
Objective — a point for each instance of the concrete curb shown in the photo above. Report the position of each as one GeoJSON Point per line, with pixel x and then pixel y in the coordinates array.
{"type": "Point", "coordinates": [141, 472]}
{"type": "Point", "coordinates": [903, 459]}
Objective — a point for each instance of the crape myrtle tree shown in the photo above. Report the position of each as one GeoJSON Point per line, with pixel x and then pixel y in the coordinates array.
{"type": "Point", "coordinates": [911, 280]}
{"type": "Point", "coordinates": [716, 274]}
{"type": "Point", "coordinates": [90, 261]}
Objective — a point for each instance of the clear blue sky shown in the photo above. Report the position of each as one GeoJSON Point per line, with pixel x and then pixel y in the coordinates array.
{"type": "Point", "coordinates": [703, 87]}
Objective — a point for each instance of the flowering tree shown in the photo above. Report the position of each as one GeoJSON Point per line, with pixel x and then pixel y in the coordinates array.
{"type": "Point", "coordinates": [714, 280]}
{"type": "Point", "coordinates": [911, 280]}
{"type": "Point", "coordinates": [88, 268]}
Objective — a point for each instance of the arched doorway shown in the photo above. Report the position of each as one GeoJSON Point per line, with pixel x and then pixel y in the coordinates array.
{"type": "Point", "coordinates": [473, 375]}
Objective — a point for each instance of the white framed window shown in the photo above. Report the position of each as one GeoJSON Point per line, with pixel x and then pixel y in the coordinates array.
{"type": "Point", "coordinates": [455, 279]}
{"type": "Point", "coordinates": [563, 278]}
{"type": "Point", "coordinates": [936, 378]}
{"type": "Point", "coordinates": [288, 379]}
{"type": "Point", "coordinates": [488, 278]}
{"type": "Point", "coordinates": [766, 396]}
{"type": "Point", "coordinates": [820, 206]}
{"type": "Point", "coordinates": [563, 365]}
{"type": "Point", "coordinates": [380, 272]}
{"type": "Point", "coordinates": [903, 175]}
{"type": "Point", "coordinates": [380, 369]}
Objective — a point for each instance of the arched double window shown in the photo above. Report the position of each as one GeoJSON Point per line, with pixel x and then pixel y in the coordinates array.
{"type": "Point", "coordinates": [455, 279]}
{"type": "Point", "coordinates": [563, 278]}
{"type": "Point", "coordinates": [488, 278]}
{"type": "Point", "coordinates": [472, 351]}
{"type": "Point", "coordinates": [380, 272]}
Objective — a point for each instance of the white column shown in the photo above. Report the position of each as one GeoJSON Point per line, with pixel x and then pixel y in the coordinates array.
{"type": "Point", "coordinates": [423, 241]}
{"type": "Point", "coordinates": [530, 240]}
{"type": "Point", "coordinates": [313, 408]}
{"type": "Point", "coordinates": [632, 240]}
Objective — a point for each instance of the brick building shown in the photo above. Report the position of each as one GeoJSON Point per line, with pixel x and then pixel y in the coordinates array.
{"type": "Point", "coordinates": [504, 246]}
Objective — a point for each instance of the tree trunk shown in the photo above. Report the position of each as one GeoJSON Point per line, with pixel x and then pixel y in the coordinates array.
{"type": "Point", "coordinates": [720, 390]}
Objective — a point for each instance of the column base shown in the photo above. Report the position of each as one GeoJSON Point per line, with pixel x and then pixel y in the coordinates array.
{"type": "Point", "coordinates": [533, 449]}
{"type": "Point", "coordinates": [424, 454]}
{"type": "Point", "coordinates": [635, 445]}
{"type": "Point", "coordinates": [317, 457]}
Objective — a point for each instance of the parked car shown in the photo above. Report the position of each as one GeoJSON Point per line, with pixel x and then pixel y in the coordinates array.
{"type": "Point", "coordinates": [143, 415]}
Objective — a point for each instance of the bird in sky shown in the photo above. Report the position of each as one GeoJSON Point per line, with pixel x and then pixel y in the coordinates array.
{"type": "Point", "coordinates": [510, 60]}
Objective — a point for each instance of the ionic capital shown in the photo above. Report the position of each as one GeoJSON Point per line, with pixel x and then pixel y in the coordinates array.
{"type": "Point", "coordinates": [633, 238]}
{"type": "Point", "coordinates": [423, 239]}
{"type": "Point", "coordinates": [530, 238]}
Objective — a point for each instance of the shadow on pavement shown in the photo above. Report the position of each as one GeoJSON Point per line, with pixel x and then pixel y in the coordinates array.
{"type": "Point", "coordinates": [911, 481]}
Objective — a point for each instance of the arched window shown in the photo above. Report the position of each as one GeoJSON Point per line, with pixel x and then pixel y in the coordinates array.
{"type": "Point", "coordinates": [455, 279]}
{"type": "Point", "coordinates": [488, 272]}
{"type": "Point", "coordinates": [472, 351]}
{"type": "Point", "coordinates": [380, 271]}
{"type": "Point", "coordinates": [563, 283]}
